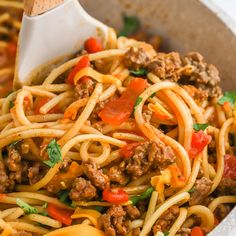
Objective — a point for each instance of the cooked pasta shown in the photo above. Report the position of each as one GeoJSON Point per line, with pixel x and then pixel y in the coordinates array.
{"type": "Point", "coordinates": [120, 140]}
{"type": "Point", "coordinates": [10, 22]}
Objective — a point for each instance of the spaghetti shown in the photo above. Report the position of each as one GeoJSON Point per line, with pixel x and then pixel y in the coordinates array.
{"type": "Point", "coordinates": [120, 140]}
{"type": "Point", "coordinates": [10, 22]}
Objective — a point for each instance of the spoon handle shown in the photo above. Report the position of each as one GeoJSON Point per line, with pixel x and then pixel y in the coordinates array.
{"type": "Point", "coordinates": [37, 7]}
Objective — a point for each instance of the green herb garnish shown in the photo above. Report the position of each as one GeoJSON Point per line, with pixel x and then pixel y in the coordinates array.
{"type": "Point", "coordinates": [138, 101]}
{"type": "Point", "coordinates": [26, 207]}
{"type": "Point", "coordinates": [13, 144]}
{"type": "Point", "coordinates": [11, 104]}
{"type": "Point", "coordinates": [153, 95]}
{"type": "Point", "coordinates": [100, 208]}
{"type": "Point", "coordinates": [54, 153]}
{"type": "Point", "coordinates": [191, 190]}
{"type": "Point", "coordinates": [228, 97]}
{"type": "Point", "coordinates": [64, 197]}
{"type": "Point", "coordinates": [131, 25]}
{"type": "Point", "coordinates": [141, 72]}
{"type": "Point", "coordinates": [198, 127]}
{"type": "Point", "coordinates": [143, 196]}
{"type": "Point", "coordinates": [166, 233]}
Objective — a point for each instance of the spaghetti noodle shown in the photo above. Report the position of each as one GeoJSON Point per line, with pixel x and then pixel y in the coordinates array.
{"type": "Point", "coordinates": [124, 140]}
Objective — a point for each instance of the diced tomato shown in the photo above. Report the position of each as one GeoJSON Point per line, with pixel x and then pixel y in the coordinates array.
{"type": "Point", "coordinates": [230, 167]}
{"type": "Point", "coordinates": [60, 214]}
{"type": "Point", "coordinates": [197, 231]}
{"type": "Point", "coordinates": [116, 196]}
{"type": "Point", "coordinates": [93, 45]}
{"type": "Point", "coordinates": [198, 143]}
{"type": "Point", "coordinates": [119, 110]}
{"type": "Point", "coordinates": [128, 150]}
{"type": "Point", "coordinates": [177, 180]}
{"type": "Point", "coordinates": [82, 63]}
{"type": "Point", "coordinates": [40, 102]}
{"type": "Point", "coordinates": [11, 49]}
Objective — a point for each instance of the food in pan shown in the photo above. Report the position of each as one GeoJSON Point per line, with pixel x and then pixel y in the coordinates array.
{"type": "Point", "coordinates": [120, 140]}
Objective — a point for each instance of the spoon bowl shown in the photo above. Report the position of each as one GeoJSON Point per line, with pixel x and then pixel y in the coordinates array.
{"type": "Point", "coordinates": [56, 33]}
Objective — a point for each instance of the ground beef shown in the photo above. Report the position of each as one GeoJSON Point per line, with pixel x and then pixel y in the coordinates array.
{"type": "Point", "coordinates": [166, 66]}
{"type": "Point", "coordinates": [149, 155]}
{"type": "Point", "coordinates": [114, 222]}
{"type": "Point", "coordinates": [84, 88]}
{"type": "Point", "coordinates": [222, 211]}
{"type": "Point", "coordinates": [201, 189]}
{"type": "Point", "coordinates": [82, 190]}
{"type": "Point", "coordinates": [132, 211]}
{"type": "Point", "coordinates": [136, 58]}
{"type": "Point", "coordinates": [36, 172]}
{"type": "Point", "coordinates": [13, 160]}
{"type": "Point", "coordinates": [166, 220]}
{"type": "Point", "coordinates": [227, 186]}
{"type": "Point", "coordinates": [97, 177]}
{"type": "Point", "coordinates": [17, 168]}
{"type": "Point", "coordinates": [203, 75]}
{"type": "Point", "coordinates": [116, 174]}
{"type": "Point", "coordinates": [5, 182]}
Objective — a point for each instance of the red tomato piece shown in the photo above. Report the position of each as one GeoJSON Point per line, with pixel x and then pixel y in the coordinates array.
{"type": "Point", "coordinates": [128, 150]}
{"type": "Point", "coordinates": [116, 196]}
{"type": "Point", "coordinates": [230, 167]}
{"type": "Point", "coordinates": [119, 110]}
{"type": "Point", "coordinates": [93, 45]}
{"type": "Point", "coordinates": [81, 64]}
{"type": "Point", "coordinates": [197, 231]}
{"type": "Point", "coordinates": [60, 214]}
{"type": "Point", "coordinates": [198, 143]}
{"type": "Point", "coordinates": [41, 102]}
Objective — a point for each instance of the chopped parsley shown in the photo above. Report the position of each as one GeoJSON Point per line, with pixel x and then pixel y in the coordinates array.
{"type": "Point", "coordinates": [141, 72]}
{"type": "Point", "coordinates": [146, 195]}
{"type": "Point", "coordinates": [198, 127]}
{"type": "Point", "coordinates": [166, 233]}
{"type": "Point", "coordinates": [11, 104]}
{"type": "Point", "coordinates": [153, 95]}
{"type": "Point", "coordinates": [228, 97]}
{"type": "Point", "coordinates": [54, 153]}
{"type": "Point", "coordinates": [64, 197]}
{"type": "Point", "coordinates": [138, 101]}
{"type": "Point", "coordinates": [26, 207]}
{"type": "Point", "coordinates": [191, 190]}
{"type": "Point", "coordinates": [131, 25]}
{"type": "Point", "coordinates": [13, 144]}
